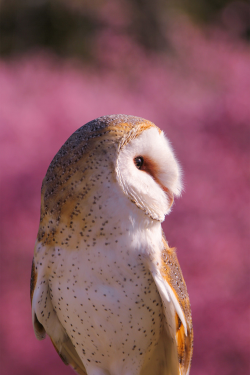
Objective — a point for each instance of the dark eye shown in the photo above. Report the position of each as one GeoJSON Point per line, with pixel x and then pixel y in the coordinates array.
{"type": "Point", "coordinates": [139, 162]}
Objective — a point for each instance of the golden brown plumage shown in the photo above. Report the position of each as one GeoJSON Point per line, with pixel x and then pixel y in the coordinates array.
{"type": "Point", "coordinates": [171, 272]}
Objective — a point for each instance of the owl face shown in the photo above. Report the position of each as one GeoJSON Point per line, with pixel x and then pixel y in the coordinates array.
{"type": "Point", "coordinates": [148, 173]}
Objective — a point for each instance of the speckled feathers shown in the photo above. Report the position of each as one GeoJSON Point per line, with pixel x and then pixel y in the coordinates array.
{"type": "Point", "coordinates": [76, 167]}
{"type": "Point", "coordinates": [105, 286]}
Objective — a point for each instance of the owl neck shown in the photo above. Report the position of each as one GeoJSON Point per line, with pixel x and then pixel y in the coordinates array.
{"type": "Point", "coordinates": [103, 215]}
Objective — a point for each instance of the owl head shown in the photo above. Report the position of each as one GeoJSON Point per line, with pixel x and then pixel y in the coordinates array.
{"type": "Point", "coordinates": [111, 158]}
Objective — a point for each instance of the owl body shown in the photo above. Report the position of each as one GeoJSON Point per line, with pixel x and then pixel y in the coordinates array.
{"type": "Point", "coordinates": [105, 286]}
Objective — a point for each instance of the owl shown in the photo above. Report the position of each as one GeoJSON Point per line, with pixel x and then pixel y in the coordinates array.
{"type": "Point", "coordinates": [105, 285]}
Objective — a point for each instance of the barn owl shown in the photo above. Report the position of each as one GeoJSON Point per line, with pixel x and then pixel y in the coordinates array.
{"type": "Point", "coordinates": [105, 285]}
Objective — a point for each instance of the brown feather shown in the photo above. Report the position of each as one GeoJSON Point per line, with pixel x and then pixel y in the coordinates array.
{"type": "Point", "coordinates": [33, 280]}
{"type": "Point", "coordinates": [171, 271]}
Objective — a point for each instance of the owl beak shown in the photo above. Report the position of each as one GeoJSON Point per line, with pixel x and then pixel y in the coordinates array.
{"type": "Point", "coordinates": [169, 194]}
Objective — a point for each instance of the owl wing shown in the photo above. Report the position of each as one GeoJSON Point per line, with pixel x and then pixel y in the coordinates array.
{"type": "Point", "coordinates": [178, 321]}
{"type": "Point", "coordinates": [45, 320]}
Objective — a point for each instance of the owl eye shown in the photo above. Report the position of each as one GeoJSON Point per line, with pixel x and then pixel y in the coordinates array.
{"type": "Point", "coordinates": [139, 162]}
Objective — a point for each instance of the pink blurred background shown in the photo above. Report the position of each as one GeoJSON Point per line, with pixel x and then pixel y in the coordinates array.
{"type": "Point", "coordinates": [200, 96]}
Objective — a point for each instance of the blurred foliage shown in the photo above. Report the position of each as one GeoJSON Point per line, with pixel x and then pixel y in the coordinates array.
{"type": "Point", "coordinates": [52, 24]}
{"type": "Point", "coordinates": [71, 28]}
{"type": "Point", "coordinates": [233, 15]}
{"type": "Point", "coordinates": [206, 10]}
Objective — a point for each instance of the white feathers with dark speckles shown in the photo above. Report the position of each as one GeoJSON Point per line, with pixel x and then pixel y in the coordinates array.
{"type": "Point", "coordinates": [98, 285]}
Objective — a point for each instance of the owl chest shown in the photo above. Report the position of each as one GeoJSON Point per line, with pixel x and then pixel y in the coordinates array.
{"type": "Point", "coordinates": [110, 304]}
